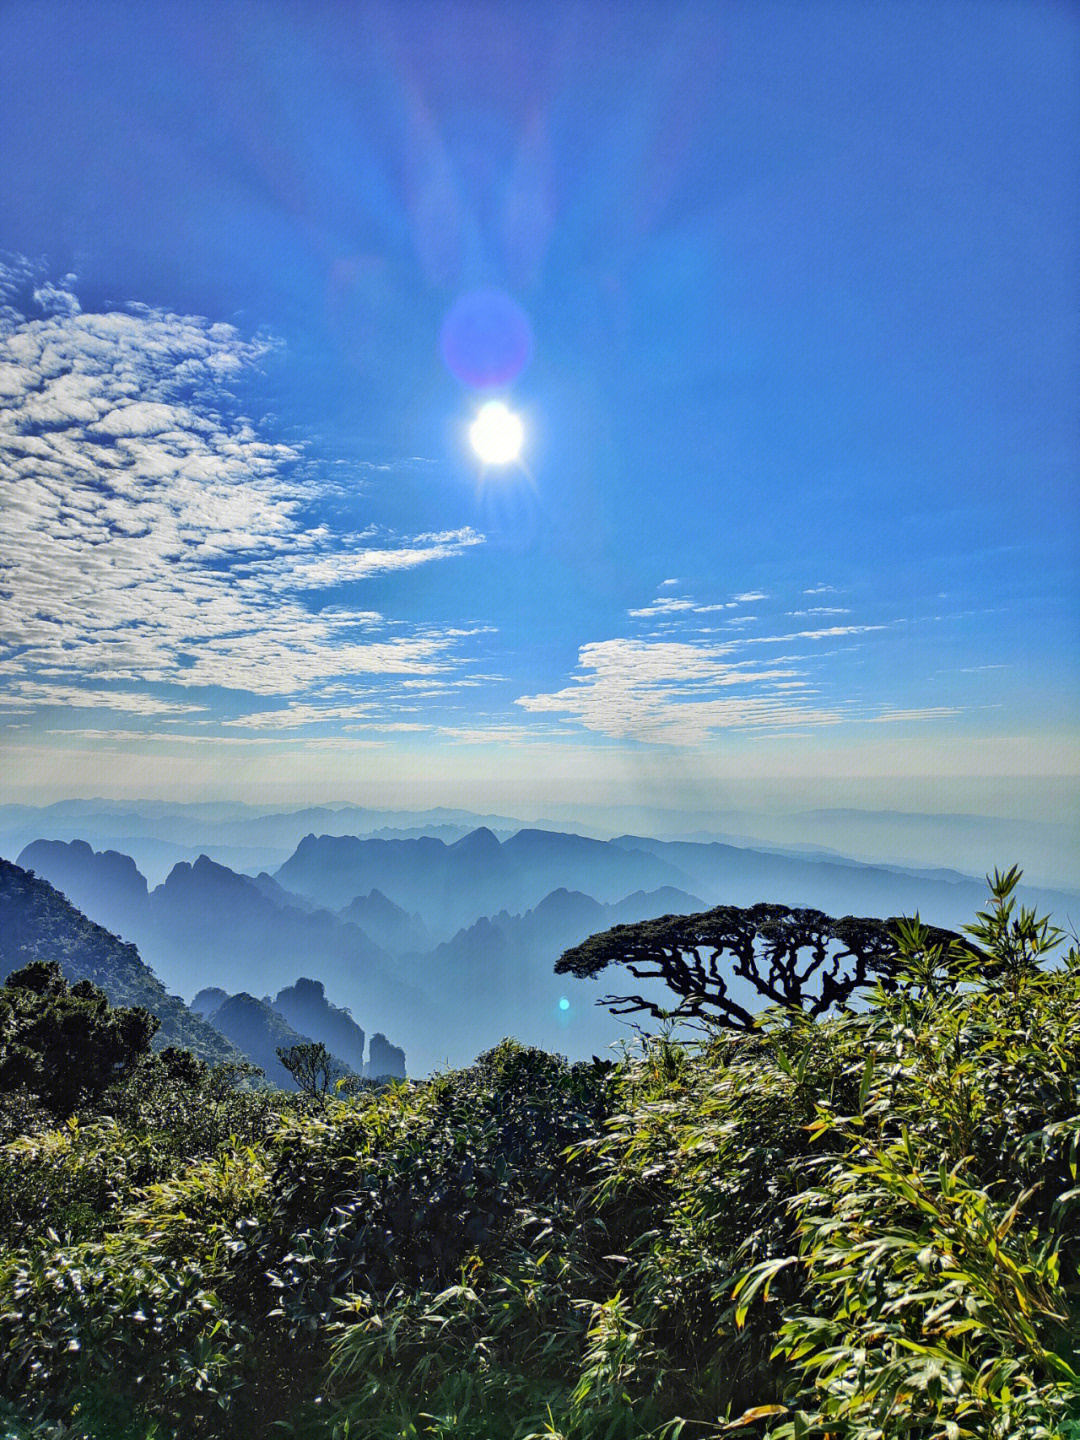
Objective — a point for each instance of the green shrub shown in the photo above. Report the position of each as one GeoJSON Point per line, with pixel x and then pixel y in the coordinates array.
{"type": "Point", "coordinates": [858, 1226]}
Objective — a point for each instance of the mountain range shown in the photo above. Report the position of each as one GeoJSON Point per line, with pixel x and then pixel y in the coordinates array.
{"type": "Point", "coordinates": [248, 838]}
{"type": "Point", "coordinates": [448, 946]}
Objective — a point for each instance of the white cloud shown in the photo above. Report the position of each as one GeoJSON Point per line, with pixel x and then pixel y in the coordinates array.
{"type": "Point", "coordinates": [152, 535]}
{"type": "Point", "coordinates": [929, 712]}
{"type": "Point", "coordinates": [34, 694]}
{"type": "Point", "coordinates": [821, 590]}
{"type": "Point", "coordinates": [749, 597]}
{"type": "Point", "coordinates": [330, 570]}
{"type": "Point", "coordinates": [664, 692]}
{"type": "Point", "coordinates": [127, 738]}
{"type": "Point", "coordinates": [663, 606]}
{"type": "Point", "coordinates": [684, 692]}
{"type": "Point", "coordinates": [812, 634]}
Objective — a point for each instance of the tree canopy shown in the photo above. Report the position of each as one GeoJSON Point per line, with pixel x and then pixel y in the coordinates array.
{"type": "Point", "coordinates": [65, 1043]}
{"type": "Point", "coordinates": [795, 958]}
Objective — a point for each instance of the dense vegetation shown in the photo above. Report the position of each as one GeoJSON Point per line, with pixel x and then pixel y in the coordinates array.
{"type": "Point", "coordinates": [859, 1225]}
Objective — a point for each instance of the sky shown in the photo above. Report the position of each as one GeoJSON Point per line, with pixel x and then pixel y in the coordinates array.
{"type": "Point", "coordinates": [796, 511]}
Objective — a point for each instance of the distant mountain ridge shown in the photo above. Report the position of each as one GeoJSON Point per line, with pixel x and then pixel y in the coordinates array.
{"type": "Point", "coordinates": [457, 942]}
{"type": "Point", "coordinates": [451, 885]}
{"type": "Point", "coordinates": [388, 924]}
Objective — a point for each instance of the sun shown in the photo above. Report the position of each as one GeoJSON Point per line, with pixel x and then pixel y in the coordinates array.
{"type": "Point", "coordinates": [497, 434]}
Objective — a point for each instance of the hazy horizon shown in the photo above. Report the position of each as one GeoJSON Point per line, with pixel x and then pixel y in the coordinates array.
{"type": "Point", "coordinates": [1047, 849]}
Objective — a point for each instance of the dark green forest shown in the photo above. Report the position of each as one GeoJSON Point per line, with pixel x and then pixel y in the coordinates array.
{"type": "Point", "coordinates": [855, 1219]}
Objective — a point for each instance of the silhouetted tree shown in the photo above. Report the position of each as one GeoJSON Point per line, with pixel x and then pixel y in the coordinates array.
{"type": "Point", "coordinates": [800, 959]}
{"type": "Point", "coordinates": [312, 1067]}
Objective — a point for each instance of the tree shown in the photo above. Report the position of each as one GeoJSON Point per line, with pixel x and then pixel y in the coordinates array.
{"type": "Point", "coordinates": [66, 1043]}
{"type": "Point", "coordinates": [799, 959]}
{"type": "Point", "coordinates": [312, 1067]}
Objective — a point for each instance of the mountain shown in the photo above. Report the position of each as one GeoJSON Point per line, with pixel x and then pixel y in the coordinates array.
{"type": "Point", "coordinates": [451, 885]}
{"type": "Point", "coordinates": [388, 924]}
{"type": "Point", "coordinates": [544, 932]}
{"type": "Point", "coordinates": [37, 922]}
{"type": "Point", "coordinates": [468, 933]}
{"type": "Point", "coordinates": [207, 925]}
{"type": "Point", "coordinates": [159, 834]}
{"type": "Point", "coordinates": [281, 897]}
{"type": "Point", "coordinates": [305, 1007]}
{"type": "Point", "coordinates": [105, 884]}
{"type": "Point", "coordinates": [260, 1032]}
{"type": "Point", "coordinates": [209, 1000]}
{"type": "Point", "coordinates": [732, 875]}
{"type": "Point", "coordinates": [387, 1061]}
{"type": "Point", "coordinates": [497, 977]}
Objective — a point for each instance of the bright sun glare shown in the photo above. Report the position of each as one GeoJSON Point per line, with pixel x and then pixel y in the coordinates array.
{"type": "Point", "coordinates": [497, 434]}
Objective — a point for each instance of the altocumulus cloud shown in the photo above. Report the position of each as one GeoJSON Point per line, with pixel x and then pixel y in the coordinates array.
{"type": "Point", "coordinates": [152, 537]}
{"type": "Point", "coordinates": [670, 690]}
{"type": "Point", "coordinates": [671, 693]}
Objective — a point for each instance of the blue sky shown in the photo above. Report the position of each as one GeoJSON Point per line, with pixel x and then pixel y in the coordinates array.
{"type": "Point", "coordinates": [798, 498]}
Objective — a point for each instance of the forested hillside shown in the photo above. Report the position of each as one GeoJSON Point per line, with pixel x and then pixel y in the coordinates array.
{"type": "Point", "coordinates": [38, 923]}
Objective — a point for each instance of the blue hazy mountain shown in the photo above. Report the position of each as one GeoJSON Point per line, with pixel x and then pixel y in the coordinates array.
{"type": "Point", "coordinates": [733, 875]}
{"type": "Point", "coordinates": [106, 885]}
{"type": "Point", "coordinates": [497, 976]}
{"type": "Point", "coordinates": [259, 1031]}
{"type": "Point", "coordinates": [389, 925]}
{"type": "Point", "coordinates": [305, 1007]}
{"type": "Point", "coordinates": [38, 922]}
{"type": "Point", "coordinates": [307, 1015]}
{"type": "Point", "coordinates": [206, 925]}
{"type": "Point", "coordinates": [469, 931]}
{"type": "Point", "coordinates": [449, 886]}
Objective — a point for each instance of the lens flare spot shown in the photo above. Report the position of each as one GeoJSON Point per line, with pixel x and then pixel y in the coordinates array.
{"type": "Point", "coordinates": [486, 339]}
{"type": "Point", "coordinates": [497, 434]}
{"type": "Point", "coordinates": [564, 1003]}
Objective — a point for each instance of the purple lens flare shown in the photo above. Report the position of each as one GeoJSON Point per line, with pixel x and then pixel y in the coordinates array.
{"type": "Point", "coordinates": [486, 339]}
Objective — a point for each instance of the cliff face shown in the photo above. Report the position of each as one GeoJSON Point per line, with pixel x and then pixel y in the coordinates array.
{"type": "Point", "coordinates": [386, 1061]}
{"type": "Point", "coordinates": [259, 1032]}
{"type": "Point", "coordinates": [305, 1007]}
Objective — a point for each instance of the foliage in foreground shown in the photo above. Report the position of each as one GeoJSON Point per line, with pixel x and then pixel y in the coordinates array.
{"type": "Point", "coordinates": [859, 1227]}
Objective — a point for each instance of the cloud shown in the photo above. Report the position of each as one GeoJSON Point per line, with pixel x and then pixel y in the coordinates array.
{"type": "Point", "coordinates": [153, 536]}
{"type": "Point", "coordinates": [820, 610]}
{"type": "Point", "coordinates": [821, 590]}
{"type": "Point", "coordinates": [812, 634]}
{"type": "Point", "coordinates": [31, 694]}
{"type": "Point", "coordinates": [330, 570]}
{"type": "Point", "coordinates": [128, 738]}
{"type": "Point", "coordinates": [665, 692]}
{"type": "Point", "coordinates": [929, 712]}
{"type": "Point", "coordinates": [749, 597]}
{"type": "Point", "coordinates": [684, 692]}
{"type": "Point", "coordinates": [663, 606]}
